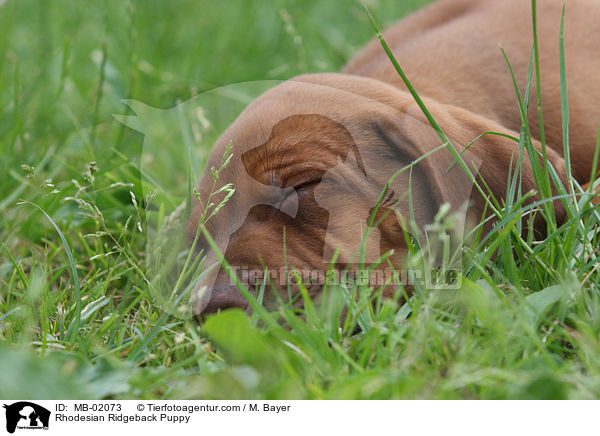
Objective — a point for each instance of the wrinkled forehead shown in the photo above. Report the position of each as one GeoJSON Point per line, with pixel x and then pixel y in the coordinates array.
{"type": "Point", "coordinates": [297, 110]}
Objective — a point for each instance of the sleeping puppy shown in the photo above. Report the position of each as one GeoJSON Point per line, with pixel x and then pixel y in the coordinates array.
{"type": "Point", "coordinates": [312, 156]}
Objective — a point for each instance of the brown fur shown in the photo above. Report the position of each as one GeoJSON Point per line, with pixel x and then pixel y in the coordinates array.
{"type": "Point", "coordinates": [450, 50]}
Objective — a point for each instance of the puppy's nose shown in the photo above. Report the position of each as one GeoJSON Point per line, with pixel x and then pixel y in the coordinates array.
{"type": "Point", "coordinates": [224, 297]}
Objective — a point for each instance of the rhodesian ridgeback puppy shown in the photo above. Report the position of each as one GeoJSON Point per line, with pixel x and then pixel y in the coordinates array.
{"type": "Point", "coordinates": [312, 156]}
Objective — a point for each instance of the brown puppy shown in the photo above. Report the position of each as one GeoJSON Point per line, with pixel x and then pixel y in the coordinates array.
{"type": "Point", "coordinates": [311, 156]}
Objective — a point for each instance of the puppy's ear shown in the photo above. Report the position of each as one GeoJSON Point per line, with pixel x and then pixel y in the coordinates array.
{"type": "Point", "coordinates": [411, 140]}
{"type": "Point", "coordinates": [499, 156]}
{"type": "Point", "coordinates": [491, 158]}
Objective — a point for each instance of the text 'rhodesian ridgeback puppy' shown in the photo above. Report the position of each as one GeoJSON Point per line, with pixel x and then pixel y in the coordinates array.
{"type": "Point", "coordinates": [312, 156]}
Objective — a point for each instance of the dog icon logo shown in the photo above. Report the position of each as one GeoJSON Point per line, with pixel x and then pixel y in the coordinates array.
{"type": "Point", "coordinates": [347, 188]}
{"type": "Point", "coordinates": [26, 415]}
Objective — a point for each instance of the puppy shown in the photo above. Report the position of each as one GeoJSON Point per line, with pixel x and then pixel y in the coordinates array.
{"type": "Point", "coordinates": [312, 156]}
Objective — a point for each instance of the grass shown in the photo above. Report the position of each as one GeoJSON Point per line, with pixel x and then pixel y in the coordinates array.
{"type": "Point", "coordinates": [77, 205]}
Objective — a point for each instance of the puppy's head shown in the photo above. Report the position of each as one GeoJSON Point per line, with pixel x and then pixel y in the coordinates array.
{"type": "Point", "coordinates": [311, 160]}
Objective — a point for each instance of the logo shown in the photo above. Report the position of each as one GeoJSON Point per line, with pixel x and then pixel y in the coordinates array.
{"type": "Point", "coordinates": [26, 415]}
{"type": "Point", "coordinates": [365, 198]}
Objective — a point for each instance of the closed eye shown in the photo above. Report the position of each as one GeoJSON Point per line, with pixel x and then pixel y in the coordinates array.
{"type": "Point", "coordinates": [300, 191]}
{"type": "Point", "coordinates": [306, 185]}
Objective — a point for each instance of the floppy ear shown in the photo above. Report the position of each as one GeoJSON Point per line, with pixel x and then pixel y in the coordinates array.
{"type": "Point", "coordinates": [490, 158]}
{"type": "Point", "coordinates": [499, 155]}
{"type": "Point", "coordinates": [412, 139]}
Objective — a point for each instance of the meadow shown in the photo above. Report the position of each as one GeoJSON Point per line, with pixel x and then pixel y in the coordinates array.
{"type": "Point", "coordinates": [79, 317]}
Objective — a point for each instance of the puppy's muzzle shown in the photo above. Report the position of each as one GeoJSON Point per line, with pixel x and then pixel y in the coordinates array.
{"type": "Point", "coordinates": [224, 297]}
{"type": "Point", "coordinates": [216, 291]}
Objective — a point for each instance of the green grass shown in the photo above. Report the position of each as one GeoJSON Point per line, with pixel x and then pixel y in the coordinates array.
{"type": "Point", "coordinates": [525, 323]}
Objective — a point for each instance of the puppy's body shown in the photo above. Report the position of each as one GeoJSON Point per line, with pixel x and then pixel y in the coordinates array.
{"type": "Point", "coordinates": [451, 53]}
{"type": "Point", "coordinates": [312, 155]}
